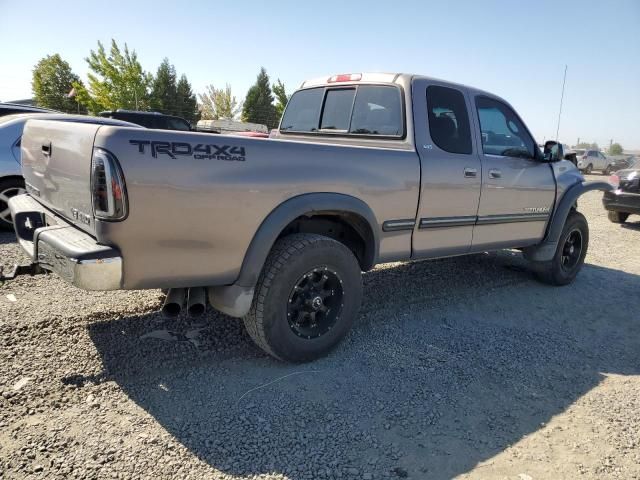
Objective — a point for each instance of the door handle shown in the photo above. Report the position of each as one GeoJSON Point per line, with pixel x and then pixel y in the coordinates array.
{"type": "Point", "coordinates": [494, 173]}
{"type": "Point", "coordinates": [46, 149]}
{"type": "Point", "coordinates": [470, 172]}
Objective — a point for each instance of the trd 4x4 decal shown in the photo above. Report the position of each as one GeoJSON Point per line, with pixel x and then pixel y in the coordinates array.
{"type": "Point", "coordinates": [200, 151]}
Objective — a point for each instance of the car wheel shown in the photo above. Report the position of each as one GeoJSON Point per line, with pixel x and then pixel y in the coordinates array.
{"type": "Point", "coordinates": [306, 299]}
{"type": "Point", "coordinates": [570, 253]}
{"type": "Point", "coordinates": [607, 171]}
{"type": "Point", "coordinates": [617, 217]}
{"type": "Point", "coordinates": [589, 169]}
{"type": "Point", "coordinates": [9, 187]}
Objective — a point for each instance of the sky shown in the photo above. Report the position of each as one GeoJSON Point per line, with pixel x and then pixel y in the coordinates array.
{"type": "Point", "coordinates": [514, 49]}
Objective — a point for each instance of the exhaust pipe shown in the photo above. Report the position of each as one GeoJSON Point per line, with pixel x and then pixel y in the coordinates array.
{"type": "Point", "coordinates": [197, 302]}
{"type": "Point", "coordinates": [173, 302]}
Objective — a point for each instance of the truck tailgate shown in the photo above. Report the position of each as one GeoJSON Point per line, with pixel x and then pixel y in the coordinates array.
{"type": "Point", "coordinates": [56, 165]}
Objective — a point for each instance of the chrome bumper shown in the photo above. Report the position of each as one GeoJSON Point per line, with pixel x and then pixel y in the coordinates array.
{"type": "Point", "coordinates": [58, 246]}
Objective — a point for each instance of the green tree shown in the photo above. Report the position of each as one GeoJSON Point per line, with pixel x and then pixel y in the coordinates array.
{"type": "Point", "coordinates": [281, 98]}
{"type": "Point", "coordinates": [218, 103]}
{"type": "Point", "coordinates": [615, 149]}
{"type": "Point", "coordinates": [117, 81]}
{"type": "Point", "coordinates": [258, 105]}
{"type": "Point", "coordinates": [52, 82]}
{"type": "Point", "coordinates": [186, 103]}
{"type": "Point", "coordinates": [164, 90]}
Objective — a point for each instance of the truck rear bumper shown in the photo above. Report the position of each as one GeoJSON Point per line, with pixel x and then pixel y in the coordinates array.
{"type": "Point", "coordinates": [57, 246]}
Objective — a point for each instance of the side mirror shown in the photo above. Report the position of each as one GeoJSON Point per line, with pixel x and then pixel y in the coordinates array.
{"type": "Point", "coordinates": [555, 153]}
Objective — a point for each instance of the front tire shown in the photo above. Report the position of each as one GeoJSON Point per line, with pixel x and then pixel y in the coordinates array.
{"type": "Point", "coordinates": [607, 170]}
{"type": "Point", "coordinates": [570, 252]}
{"type": "Point", "coordinates": [589, 169]}
{"type": "Point", "coordinates": [307, 298]}
{"type": "Point", "coordinates": [9, 187]}
{"type": "Point", "coordinates": [617, 217]}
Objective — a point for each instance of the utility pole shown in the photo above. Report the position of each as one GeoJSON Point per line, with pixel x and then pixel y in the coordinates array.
{"type": "Point", "coordinates": [578, 143]}
{"type": "Point", "coordinates": [564, 80]}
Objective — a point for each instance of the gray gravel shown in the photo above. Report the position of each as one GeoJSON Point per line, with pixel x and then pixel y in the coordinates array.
{"type": "Point", "coordinates": [459, 367]}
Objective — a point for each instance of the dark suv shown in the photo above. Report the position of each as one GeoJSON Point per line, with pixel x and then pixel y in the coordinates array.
{"type": "Point", "coordinates": [153, 120]}
{"type": "Point", "coordinates": [8, 108]}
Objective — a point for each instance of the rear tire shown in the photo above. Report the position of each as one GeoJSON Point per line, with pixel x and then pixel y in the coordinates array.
{"type": "Point", "coordinates": [570, 252]}
{"type": "Point", "coordinates": [589, 169]}
{"type": "Point", "coordinates": [617, 217]}
{"type": "Point", "coordinates": [607, 170]}
{"type": "Point", "coordinates": [9, 187]}
{"type": "Point", "coordinates": [306, 299]}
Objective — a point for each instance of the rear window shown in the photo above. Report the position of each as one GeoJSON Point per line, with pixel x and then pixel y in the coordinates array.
{"type": "Point", "coordinates": [359, 110]}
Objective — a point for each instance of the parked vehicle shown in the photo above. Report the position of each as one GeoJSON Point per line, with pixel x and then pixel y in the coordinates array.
{"type": "Point", "coordinates": [227, 126]}
{"type": "Point", "coordinates": [589, 160]}
{"type": "Point", "coordinates": [11, 181]}
{"type": "Point", "coordinates": [364, 169]}
{"type": "Point", "coordinates": [622, 163]}
{"type": "Point", "coordinates": [152, 120]}
{"type": "Point", "coordinates": [625, 199]}
{"type": "Point", "coordinates": [7, 108]}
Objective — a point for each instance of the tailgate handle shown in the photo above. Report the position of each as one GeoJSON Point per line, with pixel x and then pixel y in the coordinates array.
{"type": "Point", "coordinates": [46, 149]}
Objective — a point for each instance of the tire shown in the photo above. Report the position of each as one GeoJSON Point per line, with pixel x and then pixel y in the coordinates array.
{"type": "Point", "coordinates": [617, 217]}
{"type": "Point", "coordinates": [9, 187]}
{"type": "Point", "coordinates": [607, 170]}
{"type": "Point", "coordinates": [567, 261]}
{"type": "Point", "coordinates": [589, 169]}
{"type": "Point", "coordinates": [301, 269]}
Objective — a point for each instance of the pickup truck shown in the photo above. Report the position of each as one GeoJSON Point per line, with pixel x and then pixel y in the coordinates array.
{"type": "Point", "coordinates": [363, 169]}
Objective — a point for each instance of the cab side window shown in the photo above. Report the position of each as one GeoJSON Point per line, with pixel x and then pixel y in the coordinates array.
{"type": "Point", "coordinates": [448, 119]}
{"type": "Point", "coordinates": [502, 131]}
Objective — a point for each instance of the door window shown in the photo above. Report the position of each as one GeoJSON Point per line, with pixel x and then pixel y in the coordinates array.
{"type": "Point", "coordinates": [502, 131]}
{"type": "Point", "coordinates": [448, 119]}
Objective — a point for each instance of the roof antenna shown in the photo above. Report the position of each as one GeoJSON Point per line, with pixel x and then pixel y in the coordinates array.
{"type": "Point", "coordinates": [561, 99]}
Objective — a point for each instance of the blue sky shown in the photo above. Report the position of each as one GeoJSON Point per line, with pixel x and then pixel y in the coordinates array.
{"type": "Point", "coordinates": [514, 49]}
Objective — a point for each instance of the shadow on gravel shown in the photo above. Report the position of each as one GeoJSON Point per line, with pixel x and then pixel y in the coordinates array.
{"type": "Point", "coordinates": [631, 225]}
{"type": "Point", "coordinates": [7, 237]}
{"type": "Point", "coordinates": [451, 362]}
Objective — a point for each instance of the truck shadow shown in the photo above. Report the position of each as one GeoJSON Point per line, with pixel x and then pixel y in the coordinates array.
{"type": "Point", "coordinates": [443, 371]}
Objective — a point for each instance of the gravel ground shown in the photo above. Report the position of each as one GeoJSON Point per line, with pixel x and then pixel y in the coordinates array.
{"type": "Point", "coordinates": [464, 367]}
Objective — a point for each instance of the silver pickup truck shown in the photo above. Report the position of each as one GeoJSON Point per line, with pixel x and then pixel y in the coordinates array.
{"type": "Point", "coordinates": [363, 169]}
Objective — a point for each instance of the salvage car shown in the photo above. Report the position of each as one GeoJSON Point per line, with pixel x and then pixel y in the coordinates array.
{"type": "Point", "coordinates": [624, 200]}
{"type": "Point", "coordinates": [363, 169]}
{"type": "Point", "coordinates": [11, 181]}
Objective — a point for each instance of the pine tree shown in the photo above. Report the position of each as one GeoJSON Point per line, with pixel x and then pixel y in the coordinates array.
{"type": "Point", "coordinates": [258, 106]}
{"type": "Point", "coordinates": [186, 103]}
{"type": "Point", "coordinates": [164, 91]}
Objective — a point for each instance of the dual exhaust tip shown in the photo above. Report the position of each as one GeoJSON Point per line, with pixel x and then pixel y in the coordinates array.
{"type": "Point", "coordinates": [195, 299]}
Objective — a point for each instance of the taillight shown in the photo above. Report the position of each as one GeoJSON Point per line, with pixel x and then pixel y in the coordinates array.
{"type": "Point", "coordinates": [614, 180]}
{"type": "Point", "coordinates": [345, 77]}
{"type": "Point", "coordinates": [107, 187]}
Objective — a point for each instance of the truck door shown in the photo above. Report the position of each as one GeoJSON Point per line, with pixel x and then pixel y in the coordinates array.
{"type": "Point", "coordinates": [518, 189]}
{"type": "Point", "coordinates": [450, 187]}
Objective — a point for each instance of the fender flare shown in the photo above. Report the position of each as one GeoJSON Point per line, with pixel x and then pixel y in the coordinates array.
{"type": "Point", "coordinates": [546, 250]}
{"type": "Point", "coordinates": [289, 210]}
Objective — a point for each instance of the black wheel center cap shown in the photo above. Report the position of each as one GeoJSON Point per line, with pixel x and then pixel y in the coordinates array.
{"type": "Point", "coordinates": [316, 303]}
